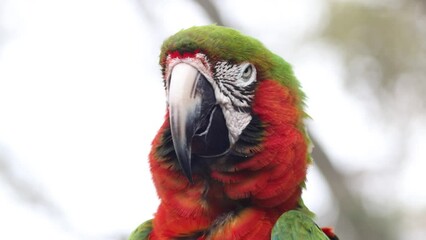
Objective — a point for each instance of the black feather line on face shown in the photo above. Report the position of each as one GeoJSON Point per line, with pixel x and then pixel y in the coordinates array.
{"type": "Point", "coordinates": [245, 92]}
{"type": "Point", "coordinates": [249, 90]}
{"type": "Point", "coordinates": [230, 90]}
{"type": "Point", "coordinates": [227, 75]}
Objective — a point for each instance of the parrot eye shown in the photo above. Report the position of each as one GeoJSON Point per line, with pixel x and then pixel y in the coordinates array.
{"type": "Point", "coordinates": [247, 74]}
{"type": "Point", "coordinates": [248, 71]}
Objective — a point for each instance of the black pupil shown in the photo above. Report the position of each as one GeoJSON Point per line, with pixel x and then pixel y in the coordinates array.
{"type": "Point", "coordinates": [247, 70]}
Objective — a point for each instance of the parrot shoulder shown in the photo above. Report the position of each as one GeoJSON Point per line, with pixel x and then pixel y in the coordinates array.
{"type": "Point", "coordinates": [142, 231]}
{"type": "Point", "coordinates": [297, 225]}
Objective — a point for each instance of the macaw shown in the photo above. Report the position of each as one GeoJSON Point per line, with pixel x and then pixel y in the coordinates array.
{"type": "Point", "coordinates": [230, 160]}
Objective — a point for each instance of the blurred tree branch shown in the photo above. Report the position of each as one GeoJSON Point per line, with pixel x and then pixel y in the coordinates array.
{"type": "Point", "coordinates": [211, 10]}
{"type": "Point", "coordinates": [350, 205]}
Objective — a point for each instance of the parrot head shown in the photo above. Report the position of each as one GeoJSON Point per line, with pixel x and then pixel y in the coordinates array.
{"type": "Point", "coordinates": [211, 76]}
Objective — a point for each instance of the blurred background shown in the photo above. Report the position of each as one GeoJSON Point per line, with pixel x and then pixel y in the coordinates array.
{"type": "Point", "coordinates": [81, 98]}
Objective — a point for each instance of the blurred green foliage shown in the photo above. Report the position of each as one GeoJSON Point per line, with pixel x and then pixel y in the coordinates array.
{"type": "Point", "coordinates": [384, 48]}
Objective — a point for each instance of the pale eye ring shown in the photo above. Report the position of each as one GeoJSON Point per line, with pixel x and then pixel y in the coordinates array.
{"type": "Point", "coordinates": [247, 72]}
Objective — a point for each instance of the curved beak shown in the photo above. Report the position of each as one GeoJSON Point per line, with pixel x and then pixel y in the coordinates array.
{"type": "Point", "coordinates": [190, 101]}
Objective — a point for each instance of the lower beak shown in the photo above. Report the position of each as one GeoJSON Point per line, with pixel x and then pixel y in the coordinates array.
{"type": "Point", "coordinates": [191, 99]}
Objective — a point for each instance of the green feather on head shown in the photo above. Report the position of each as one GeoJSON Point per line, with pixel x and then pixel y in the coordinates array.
{"type": "Point", "coordinates": [223, 43]}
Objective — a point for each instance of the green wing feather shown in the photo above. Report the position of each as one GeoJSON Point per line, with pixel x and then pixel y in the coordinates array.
{"type": "Point", "coordinates": [142, 232]}
{"type": "Point", "coordinates": [296, 225]}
